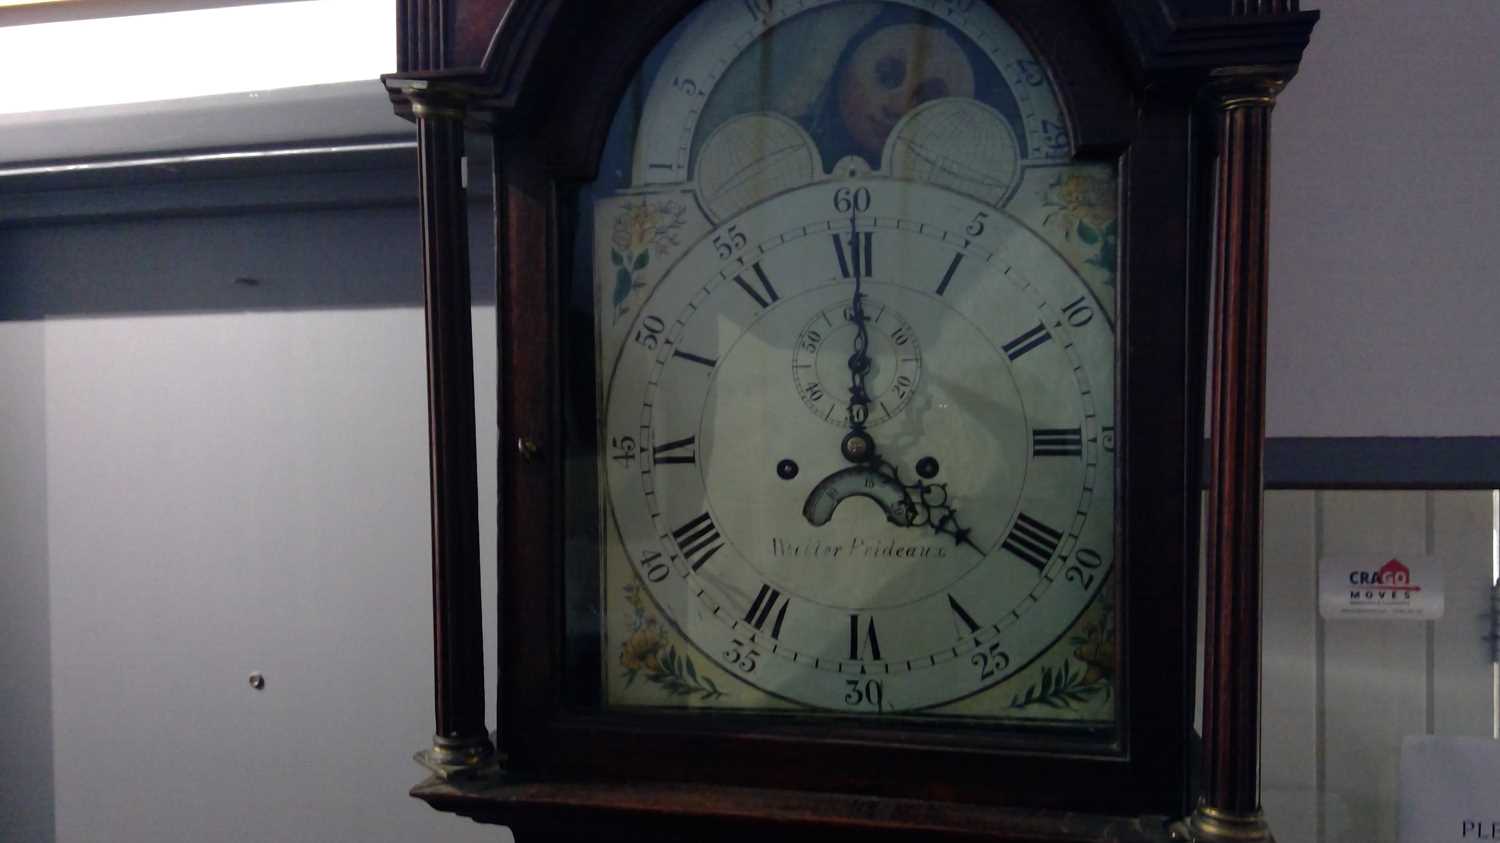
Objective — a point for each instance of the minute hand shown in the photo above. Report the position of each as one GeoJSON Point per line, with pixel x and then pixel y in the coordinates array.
{"type": "Point", "coordinates": [932, 507]}
{"type": "Point", "coordinates": [859, 361]}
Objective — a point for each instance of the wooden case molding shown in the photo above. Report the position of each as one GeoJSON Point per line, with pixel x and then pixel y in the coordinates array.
{"type": "Point", "coordinates": [1182, 90]}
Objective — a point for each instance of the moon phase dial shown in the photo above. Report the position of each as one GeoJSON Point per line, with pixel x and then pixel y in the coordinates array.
{"type": "Point", "coordinates": [820, 362]}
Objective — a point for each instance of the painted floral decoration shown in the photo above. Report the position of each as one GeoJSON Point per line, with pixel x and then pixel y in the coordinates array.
{"type": "Point", "coordinates": [1082, 208]}
{"type": "Point", "coordinates": [1096, 649]}
{"type": "Point", "coordinates": [641, 229]}
{"type": "Point", "coordinates": [1067, 685]}
{"type": "Point", "coordinates": [650, 653]}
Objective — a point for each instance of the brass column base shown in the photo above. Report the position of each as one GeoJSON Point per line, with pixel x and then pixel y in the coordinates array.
{"type": "Point", "coordinates": [452, 759]}
{"type": "Point", "coordinates": [1210, 825]}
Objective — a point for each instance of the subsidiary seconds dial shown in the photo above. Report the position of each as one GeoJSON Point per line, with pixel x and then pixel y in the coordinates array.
{"type": "Point", "coordinates": [820, 363]}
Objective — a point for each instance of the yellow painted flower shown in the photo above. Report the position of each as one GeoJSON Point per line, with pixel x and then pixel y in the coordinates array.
{"type": "Point", "coordinates": [640, 223]}
{"type": "Point", "coordinates": [1088, 198]}
{"type": "Point", "coordinates": [639, 652]}
{"type": "Point", "coordinates": [647, 225]}
{"type": "Point", "coordinates": [1098, 653]}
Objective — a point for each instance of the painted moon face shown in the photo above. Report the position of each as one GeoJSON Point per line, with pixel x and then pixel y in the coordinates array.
{"type": "Point", "coordinates": [895, 70]}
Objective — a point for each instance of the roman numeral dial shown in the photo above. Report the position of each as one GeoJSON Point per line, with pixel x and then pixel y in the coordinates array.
{"type": "Point", "coordinates": [781, 567]}
{"type": "Point", "coordinates": [759, 287]}
{"type": "Point", "coordinates": [864, 642]}
{"type": "Point", "coordinates": [1057, 442]}
{"type": "Point", "coordinates": [770, 605]}
{"type": "Point", "coordinates": [1028, 341]}
{"type": "Point", "coordinates": [1032, 542]}
{"type": "Point", "coordinates": [699, 540]}
{"type": "Point", "coordinates": [948, 274]}
{"type": "Point", "coordinates": [855, 253]}
{"type": "Point", "coordinates": [678, 452]}
{"type": "Point", "coordinates": [962, 615]}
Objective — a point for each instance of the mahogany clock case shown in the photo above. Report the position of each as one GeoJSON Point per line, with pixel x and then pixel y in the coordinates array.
{"type": "Point", "coordinates": [568, 70]}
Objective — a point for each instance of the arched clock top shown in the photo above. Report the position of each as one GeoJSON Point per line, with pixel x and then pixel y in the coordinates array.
{"type": "Point", "coordinates": [556, 69]}
{"type": "Point", "coordinates": [555, 72]}
{"type": "Point", "coordinates": [1018, 50]}
{"type": "Point", "coordinates": [459, 34]}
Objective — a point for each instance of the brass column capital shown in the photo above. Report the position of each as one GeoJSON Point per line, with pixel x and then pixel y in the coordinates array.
{"type": "Point", "coordinates": [429, 102]}
{"type": "Point", "coordinates": [1255, 86]}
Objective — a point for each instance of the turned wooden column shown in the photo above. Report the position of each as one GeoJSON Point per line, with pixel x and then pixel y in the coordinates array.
{"type": "Point", "coordinates": [461, 743]}
{"type": "Point", "coordinates": [1229, 800]}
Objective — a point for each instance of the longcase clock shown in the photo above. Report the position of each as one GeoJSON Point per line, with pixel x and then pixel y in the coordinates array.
{"type": "Point", "coordinates": [851, 387]}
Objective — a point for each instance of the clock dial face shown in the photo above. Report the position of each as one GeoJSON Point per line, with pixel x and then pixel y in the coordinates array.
{"type": "Point", "coordinates": [856, 349]}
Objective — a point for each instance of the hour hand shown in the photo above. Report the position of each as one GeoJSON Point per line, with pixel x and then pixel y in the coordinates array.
{"type": "Point", "coordinates": [919, 504]}
{"type": "Point", "coordinates": [948, 523]}
{"type": "Point", "coordinates": [934, 508]}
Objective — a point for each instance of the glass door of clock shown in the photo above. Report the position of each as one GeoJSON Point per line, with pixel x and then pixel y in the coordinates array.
{"type": "Point", "coordinates": [853, 371]}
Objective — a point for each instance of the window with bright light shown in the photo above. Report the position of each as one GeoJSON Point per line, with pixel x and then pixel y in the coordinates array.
{"type": "Point", "coordinates": [192, 53]}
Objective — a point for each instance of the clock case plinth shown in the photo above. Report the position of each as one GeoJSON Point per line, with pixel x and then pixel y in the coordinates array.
{"type": "Point", "coordinates": [660, 812]}
{"type": "Point", "coordinates": [1164, 89]}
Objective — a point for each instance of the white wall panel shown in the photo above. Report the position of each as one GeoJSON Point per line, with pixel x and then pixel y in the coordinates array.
{"type": "Point", "coordinates": [232, 493]}
{"type": "Point", "coordinates": [25, 667]}
{"type": "Point", "coordinates": [1374, 672]}
{"type": "Point", "coordinates": [1289, 737]}
{"type": "Point", "coordinates": [1462, 683]}
{"type": "Point", "coordinates": [1340, 695]}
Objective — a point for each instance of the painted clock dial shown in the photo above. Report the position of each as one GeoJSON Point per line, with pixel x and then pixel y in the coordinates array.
{"type": "Point", "coordinates": [855, 327]}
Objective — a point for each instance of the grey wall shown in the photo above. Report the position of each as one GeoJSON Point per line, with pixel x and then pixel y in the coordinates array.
{"type": "Point", "coordinates": [25, 652]}
{"type": "Point", "coordinates": [201, 478]}
{"type": "Point", "coordinates": [231, 493]}
{"type": "Point", "coordinates": [1384, 251]}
